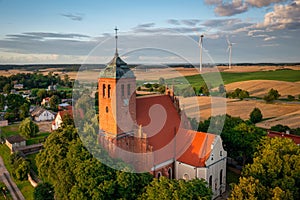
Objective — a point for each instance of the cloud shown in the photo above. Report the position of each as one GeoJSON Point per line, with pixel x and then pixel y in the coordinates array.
{"type": "Point", "coordinates": [173, 21]}
{"type": "Point", "coordinates": [146, 25]}
{"type": "Point", "coordinates": [230, 9]}
{"type": "Point", "coordinates": [74, 17]}
{"type": "Point", "coordinates": [263, 3]}
{"type": "Point", "coordinates": [190, 22]}
{"type": "Point", "coordinates": [213, 2]}
{"type": "Point", "coordinates": [283, 17]}
{"type": "Point", "coordinates": [44, 35]}
{"type": "Point", "coordinates": [186, 22]}
{"type": "Point", "coordinates": [269, 38]}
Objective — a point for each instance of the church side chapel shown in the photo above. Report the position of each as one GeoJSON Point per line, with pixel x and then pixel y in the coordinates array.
{"type": "Point", "coordinates": [152, 133]}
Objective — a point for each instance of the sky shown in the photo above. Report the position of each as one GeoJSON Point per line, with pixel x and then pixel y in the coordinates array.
{"type": "Point", "coordinates": [156, 31]}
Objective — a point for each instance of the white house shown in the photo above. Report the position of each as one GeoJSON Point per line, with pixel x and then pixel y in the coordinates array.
{"type": "Point", "coordinates": [205, 158]}
{"type": "Point", "coordinates": [59, 118]}
{"type": "Point", "coordinates": [41, 114]}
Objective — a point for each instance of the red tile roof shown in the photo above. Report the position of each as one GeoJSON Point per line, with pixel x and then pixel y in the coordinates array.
{"type": "Point", "coordinates": [161, 122]}
{"type": "Point", "coordinates": [159, 119]}
{"type": "Point", "coordinates": [295, 138]}
{"type": "Point", "coordinates": [199, 150]}
{"type": "Point", "coordinates": [65, 112]}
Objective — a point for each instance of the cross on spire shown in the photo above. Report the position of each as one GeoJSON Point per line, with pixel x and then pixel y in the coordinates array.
{"type": "Point", "coordinates": [116, 37]}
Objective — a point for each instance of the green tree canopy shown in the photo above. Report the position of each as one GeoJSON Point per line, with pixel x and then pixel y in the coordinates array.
{"type": "Point", "coordinates": [272, 95]}
{"type": "Point", "coordinates": [255, 115]}
{"type": "Point", "coordinates": [274, 174]}
{"type": "Point", "coordinates": [53, 102]}
{"type": "Point", "coordinates": [28, 128]}
{"type": "Point", "coordinates": [165, 188]}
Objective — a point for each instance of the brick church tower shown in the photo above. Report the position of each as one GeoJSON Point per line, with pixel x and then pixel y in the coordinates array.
{"type": "Point", "coordinates": [117, 98]}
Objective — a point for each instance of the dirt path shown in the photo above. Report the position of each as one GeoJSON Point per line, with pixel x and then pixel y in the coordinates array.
{"type": "Point", "coordinates": [10, 184]}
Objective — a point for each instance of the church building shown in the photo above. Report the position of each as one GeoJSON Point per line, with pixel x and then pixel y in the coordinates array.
{"type": "Point", "coordinates": [152, 133]}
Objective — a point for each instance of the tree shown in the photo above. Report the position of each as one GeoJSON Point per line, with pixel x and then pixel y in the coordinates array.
{"type": "Point", "coordinates": [22, 170]}
{"type": "Point", "coordinates": [161, 81]}
{"type": "Point", "coordinates": [222, 89]}
{"type": "Point", "coordinates": [66, 80]}
{"type": "Point", "coordinates": [7, 88]}
{"type": "Point", "coordinates": [20, 166]}
{"type": "Point", "coordinates": [24, 111]}
{"type": "Point", "coordinates": [2, 102]}
{"type": "Point", "coordinates": [243, 94]}
{"type": "Point", "coordinates": [291, 98]}
{"type": "Point", "coordinates": [204, 90]}
{"type": "Point", "coordinates": [242, 141]}
{"type": "Point", "coordinates": [43, 191]}
{"type": "Point", "coordinates": [165, 188]}
{"type": "Point", "coordinates": [280, 128]}
{"type": "Point", "coordinates": [14, 102]}
{"type": "Point", "coordinates": [53, 102]}
{"type": "Point", "coordinates": [274, 174]}
{"type": "Point", "coordinates": [41, 94]}
{"type": "Point", "coordinates": [28, 128]}
{"type": "Point", "coordinates": [255, 115]}
{"type": "Point", "coordinates": [272, 95]}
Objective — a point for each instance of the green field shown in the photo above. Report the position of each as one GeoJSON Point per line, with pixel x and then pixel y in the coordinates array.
{"type": "Point", "coordinates": [215, 79]}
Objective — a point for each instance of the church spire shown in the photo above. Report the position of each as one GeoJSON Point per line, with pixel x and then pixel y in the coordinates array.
{"type": "Point", "coordinates": [116, 37]}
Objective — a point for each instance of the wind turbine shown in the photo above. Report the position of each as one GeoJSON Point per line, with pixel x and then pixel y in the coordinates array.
{"type": "Point", "coordinates": [230, 52]}
{"type": "Point", "coordinates": [201, 49]}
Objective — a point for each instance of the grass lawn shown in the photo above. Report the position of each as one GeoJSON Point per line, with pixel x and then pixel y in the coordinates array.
{"type": "Point", "coordinates": [9, 130]}
{"type": "Point", "coordinates": [24, 186]}
{"type": "Point", "coordinates": [40, 137]}
{"type": "Point", "coordinates": [228, 77]}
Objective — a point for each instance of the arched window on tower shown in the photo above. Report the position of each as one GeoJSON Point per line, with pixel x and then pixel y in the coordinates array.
{"type": "Point", "coordinates": [128, 89]}
{"type": "Point", "coordinates": [122, 90]}
{"type": "Point", "coordinates": [158, 175]}
{"type": "Point", "coordinates": [103, 90]}
{"type": "Point", "coordinates": [210, 181]}
{"type": "Point", "coordinates": [221, 176]}
{"type": "Point", "coordinates": [108, 91]}
{"type": "Point", "coordinates": [170, 173]}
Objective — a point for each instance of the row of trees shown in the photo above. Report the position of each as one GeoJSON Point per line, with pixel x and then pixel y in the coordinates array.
{"type": "Point", "coordinates": [33, 80]}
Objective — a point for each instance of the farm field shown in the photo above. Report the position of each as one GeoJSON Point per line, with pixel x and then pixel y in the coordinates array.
{"type": "Point", "coordinates": [276, 113]}
{"type": "Point", "coordinates": [259, 88]}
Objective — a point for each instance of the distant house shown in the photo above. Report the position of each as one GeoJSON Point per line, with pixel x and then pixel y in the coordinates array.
{"type": "Point", "coordinates": [295, 138]}
{"type": "Point", "coordinates": [3, 123]}
{"type": "Point", "coordinates": [41, 114]}
{"type": "Point", "coordinates": [52, 87]}
{"type": "Point", "coordinates": [64, 106]}
{"type": "Point", "coordinates": [57, 122]}
{"type": "Point", "coordinates": [45, 102]}
{"type": "Point", "coordinates": [18, 86]}
{"type": "Point", "coordinates": [15, 141]}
